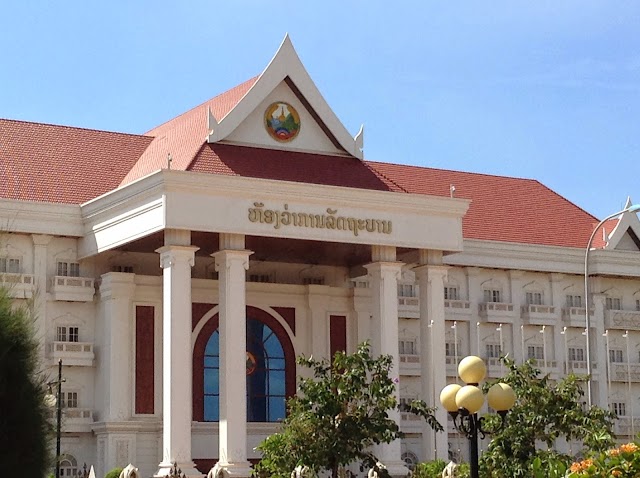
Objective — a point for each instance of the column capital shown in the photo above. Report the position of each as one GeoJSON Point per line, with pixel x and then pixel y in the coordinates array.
{"type": "Point", "coordinates": [385, 267]}
{"type": "Point", "coordinates": [41, 239]}
{"type": "Point", "coordinates": [430, 257]}
{"type": "Point", "coordinates": [228, 256]}
{"type": "Point", "coordinates": [431, 271]}
{"type": "Point", "coordinates": [117, 284]}
{"type": "Point", "coordinates": [170, 255]}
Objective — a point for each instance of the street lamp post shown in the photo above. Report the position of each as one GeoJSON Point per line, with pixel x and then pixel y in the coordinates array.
{"type": "Point", "coordinates": [587, 318]}
{"type": "Point", "coordinates": [463, 404]}
{"type": "Point", "coordinates": [58, 402]}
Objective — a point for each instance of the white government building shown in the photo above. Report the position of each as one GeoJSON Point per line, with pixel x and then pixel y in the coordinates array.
{"type": "Point", "coordinates": [177, 275]}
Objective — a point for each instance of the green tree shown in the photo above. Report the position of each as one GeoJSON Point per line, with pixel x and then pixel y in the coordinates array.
{"type": "Point", "coordinates": [337, 416]}
{"type": "Point", "coordinates": [544, 412]}
{"type": "Point", "coordinates": [24, 428]}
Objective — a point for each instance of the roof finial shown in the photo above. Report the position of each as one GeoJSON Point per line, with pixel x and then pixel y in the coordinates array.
{"type": "Point", "coordinates": [452, 189]}
{"type": "Point", "coordinates": [629, 202]}
{"type": "Point", "coordinates": [359, 139]}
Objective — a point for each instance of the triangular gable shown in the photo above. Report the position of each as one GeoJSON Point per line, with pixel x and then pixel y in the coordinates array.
{"type": "Point", "coordinates": [626, 234]}
{"type": "Point", "coordinates": [285, 83]}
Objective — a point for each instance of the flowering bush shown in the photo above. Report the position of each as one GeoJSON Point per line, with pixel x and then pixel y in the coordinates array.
{"type": "Point", "coordinates": [623, 461]}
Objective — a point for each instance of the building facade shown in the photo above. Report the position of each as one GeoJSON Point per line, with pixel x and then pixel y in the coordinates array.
{"type": "Point", "coordinates": [177, 275]}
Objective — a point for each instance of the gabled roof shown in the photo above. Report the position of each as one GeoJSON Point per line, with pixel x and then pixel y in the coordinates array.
{"type": "Point", "coordinates": [622, 232]}
{"type": "Point", "coordinates": [502, 208]}
{"type": "Point", "coordinates": [289, 166]}
{"type": "Point", "coordinates": [60, 164]}
{"type": "Point", "coordinates": [183, 136]}
{"type": "Point", "coordinates": [214, 120]}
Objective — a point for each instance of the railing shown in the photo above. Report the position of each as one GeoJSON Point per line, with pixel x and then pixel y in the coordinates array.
{"type": "Point", "coordinates": [73, 353]}
{"type": "Point", "coordinates": [496, 311]}
{"type": "Point", "coordinates": [456, 304]}
{"type": "Point", "coordinates": [496, 307]}
{"type": "Point", "coordinates": [623, 372]}
{"type": "Point", "coordinates": [14, 278]}
{"type": "Point", "coordinates": [622, 425]}
{"type": "Point", "coordinates": [409, 358]}
{"type": "Point", "coordinates": [66, 281]}
{"type": "Point", "coordinates": [622, 319]}
{"type": "Point", "coordinates": [19, 285]}
{"type": "Point", "coordinates": [573, 312]}
{"type": "Point", "coordinates": [536, 309]}
{"type": "Point", "coordinates": [80, 289]}
{"type": "Point", "coordinates": [72, 347]}
{"type": "Point", "coordinates": [409, 301]}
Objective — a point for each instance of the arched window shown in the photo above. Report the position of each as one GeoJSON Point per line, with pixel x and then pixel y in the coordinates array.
{"type": "Point", "coordinates": [68, 465]}
{"type": "Point", "coordinates": [265, 375]}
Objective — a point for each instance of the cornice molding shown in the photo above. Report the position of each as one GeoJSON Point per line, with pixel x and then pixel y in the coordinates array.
{"type": "Point", "coordinates": [531, 257]}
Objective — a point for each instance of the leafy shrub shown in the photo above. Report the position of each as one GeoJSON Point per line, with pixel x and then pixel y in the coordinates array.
{"type": "Point", "coordinates": [623, 461]}
{"type": "Point", "coordinates": [114, 473]}
{"type": "Point", "coordinates": [433, 469]}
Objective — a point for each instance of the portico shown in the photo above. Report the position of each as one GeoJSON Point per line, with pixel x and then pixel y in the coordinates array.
{"type": "Point", "coordinates": [200, 217]}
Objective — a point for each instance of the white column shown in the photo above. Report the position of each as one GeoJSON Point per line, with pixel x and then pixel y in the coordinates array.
{"type": "Point", "coordinates": [599, 353]}
{"type": "Point", "coordinates": [517, 299]}
{"type": "Point", "coordinates": [40, 243]}
{"type": "Point", "coordinates": [231, 263]}
{"type": "Point", "coordinates": [362, 310]}
{"type": "Point", "coordinates": [116, 294]}
{"type": "Point", "coordinates": [433, 367]}
{"type": "Point", "coordinates": [384, 273]}
{"type": "Point", "coordinates": [318, 303]}
{"type": "Point", "coordinates": [176, 262]}
{"type": "Point", "coordinates": [475, 298]}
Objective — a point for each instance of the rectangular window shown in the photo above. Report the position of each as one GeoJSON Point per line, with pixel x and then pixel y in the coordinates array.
{"type": "Point", "coordinates": [70, 399]}
{"type": "Point", "coordinates": [637, 304]}
{"type": "Point", "coordinates": [67, 334]}
{"type": "Point", "coordinates": [492, 295]}
{"type": "Point", "coordinates": [10, 265]}
{"type": "Point", "coordinates": [126, 269]}
{"type": "Point", "coordinates": [615, 356]}
{"type": "Point", "coordinates": [574, 301]}
{"type": "Point", "coordinates": [534, 298]}
{"type": "Point", "coordinates": [450, 349]}
{"type": "Point", "coordinates": [576, 354]}
{"type": "Point", "coordinates": [61, 334]}
{"type": "Point", "coordinates": [73, 334]}
{"type": "Point", "coordinates": [406, 290]}
{"type": "Point", "coordinates": [493, 350]}
{"type": "Point", "coordinates": [407, 347]}
{"type": "Point", "coordinates": [68, 269]}
{"type": "Point", "coordinates": [614, 303]}
{"type": "Point", "coordinates": [535, 352]}
{"type": "Point", "coordinates": [451, 293]}
{"type": "Point", "coordinates": [619, 408]}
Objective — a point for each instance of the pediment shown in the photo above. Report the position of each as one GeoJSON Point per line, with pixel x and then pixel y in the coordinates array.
{"type": "Point", "coordinates": [283, 109]}
{"type": "Point", "coordinates": [626, 234]}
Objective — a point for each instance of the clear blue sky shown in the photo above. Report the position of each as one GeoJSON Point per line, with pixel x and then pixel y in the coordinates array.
{"type": "Point", "coordinates": [548, 90]}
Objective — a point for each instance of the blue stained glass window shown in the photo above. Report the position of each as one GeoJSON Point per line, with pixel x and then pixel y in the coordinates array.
{"type": "Point", "coordinates": [266, 386]}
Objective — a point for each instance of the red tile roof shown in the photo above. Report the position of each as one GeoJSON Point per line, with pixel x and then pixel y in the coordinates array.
{"type": "Point", "coordinates": [288, 166]}
{"type": "Point", "coordinates": [503, 208]}
{"type": "Point", "coordinates": [184, 135]}
{"type": "Point", "coordinates": [60, 164]}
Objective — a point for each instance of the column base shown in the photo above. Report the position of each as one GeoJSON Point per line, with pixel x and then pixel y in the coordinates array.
{"type": "Point", "coordinates": [187, 469]}
{"type": "Point", "coordinates": [235, 470]}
